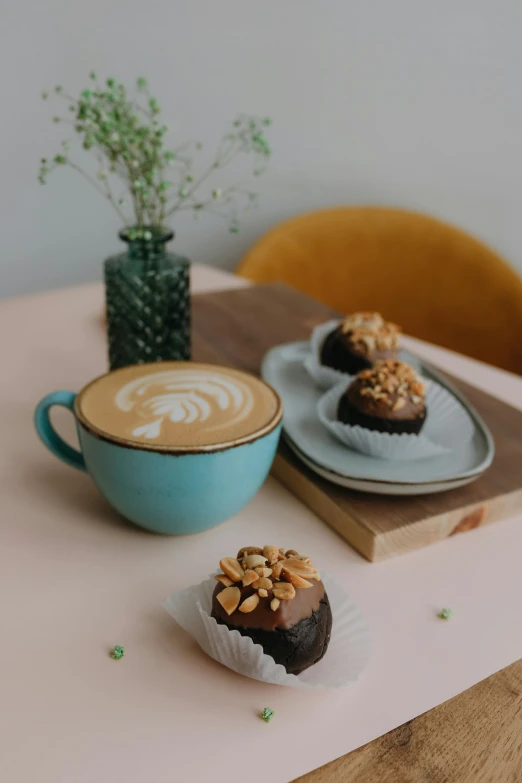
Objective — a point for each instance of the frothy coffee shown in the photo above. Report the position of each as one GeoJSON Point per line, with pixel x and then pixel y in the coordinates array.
{"type": "Point", "coordinates": [181, 405]}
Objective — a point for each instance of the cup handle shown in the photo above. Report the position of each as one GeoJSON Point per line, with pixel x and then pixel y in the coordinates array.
{"type": "Point", "coordinates": [48, 434]}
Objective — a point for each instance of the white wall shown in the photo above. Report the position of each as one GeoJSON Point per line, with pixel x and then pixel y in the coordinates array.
{"type": "Point", "coordinates": [406, 102]}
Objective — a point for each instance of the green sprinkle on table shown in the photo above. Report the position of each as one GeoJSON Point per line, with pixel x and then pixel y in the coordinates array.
{"type": "Point", "coordinates": [117, 652]}
{"type": "Point", "coordinates": [445, 614]}
{"type": "Point", "coordinates": [267, 714]}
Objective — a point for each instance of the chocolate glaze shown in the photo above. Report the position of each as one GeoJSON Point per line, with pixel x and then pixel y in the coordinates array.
{"type": "Point", "coordinates": [296, 648]}
{"type": "Point", "coordinates": [382, 408]}
{"type": "Point", "coordinates": [339, 353]}
{"type": "Point", "coordinates": [372, 414]}
{"type": "Point", "coordinates": [289, 613]}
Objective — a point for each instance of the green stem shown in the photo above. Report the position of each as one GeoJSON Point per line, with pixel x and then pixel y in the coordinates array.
{"type": "Point", "coordinates": [109, 196]}
{"type": "Point", "coordinates": [100, 190]}
{"type": "Point", "coordinates": [206, 174]}
{"type": "Point", "coordinates": [134, 195]}
{"type": "Point", "coordinates": [226, 197]}
{"type": "Point", "coordinates": [219, 162]}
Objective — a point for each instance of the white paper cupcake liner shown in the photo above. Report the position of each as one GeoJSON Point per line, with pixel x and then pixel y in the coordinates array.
{"type": "Point", "coordinates": [447, 426]}
{"type": "Point", "coordinates": [295, 352]}
{"type": "Point", "coordinates": [324, 377]}
{"type": "Point", "coordinates": [346, 657]}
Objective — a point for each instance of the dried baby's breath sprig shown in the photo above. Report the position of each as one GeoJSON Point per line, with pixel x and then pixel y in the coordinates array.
{"type": "Point", "coordinates": [267, 714]}
{"type": "Point", "coordinates": [124, 132]}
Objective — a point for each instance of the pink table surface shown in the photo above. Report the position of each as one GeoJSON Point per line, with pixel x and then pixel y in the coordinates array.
{"type": "Point", "coordinates": [76, 580]}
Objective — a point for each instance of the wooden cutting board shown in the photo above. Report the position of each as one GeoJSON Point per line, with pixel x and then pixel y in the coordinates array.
{"type": "Point", "coordinates": [237, 328]}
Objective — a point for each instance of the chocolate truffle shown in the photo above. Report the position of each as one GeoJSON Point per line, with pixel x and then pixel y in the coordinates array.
{"type": "Point", "coordinates": [278, 600]}
{"type": "Point", "coordinates": [388, 398]}
{"type": "Point", "coordinates": [359, 341]}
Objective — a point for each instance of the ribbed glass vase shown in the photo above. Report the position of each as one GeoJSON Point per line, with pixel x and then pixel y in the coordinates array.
{"type": "Point", "coordinates": [147, 292]}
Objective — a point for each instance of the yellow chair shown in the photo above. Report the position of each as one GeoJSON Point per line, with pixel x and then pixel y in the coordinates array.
{"type": "Point", "coordinates": [437, 282]}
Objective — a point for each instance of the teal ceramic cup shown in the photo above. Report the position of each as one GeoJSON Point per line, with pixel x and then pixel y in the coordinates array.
{"type": "Point", "coordinates": [159, 484]}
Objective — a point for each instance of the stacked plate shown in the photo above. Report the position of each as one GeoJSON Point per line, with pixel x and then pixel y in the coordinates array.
{"type": "Point", "coordinates": [283, 367]}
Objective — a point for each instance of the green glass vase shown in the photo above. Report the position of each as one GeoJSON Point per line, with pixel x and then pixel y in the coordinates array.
{"type": "Point", "coordinates": [147, 292]}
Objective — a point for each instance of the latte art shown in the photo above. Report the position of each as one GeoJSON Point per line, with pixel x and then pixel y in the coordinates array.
{"type": "Point", "coordinates": [184, 398]}
{"type": "Point", "coordinates": [178, 405]}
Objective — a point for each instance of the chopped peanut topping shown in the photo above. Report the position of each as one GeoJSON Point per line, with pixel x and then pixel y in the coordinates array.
{"type": "Point", "coordinates": [232, 568]}
{"type": "Point", "coordinates": [275, 575]}
{"type": "Point", "coordinates": [393, 382]}
{"type": "Point", "coordinates": [229, 599]}
{"type": "Point", "coordinates": [249, 604]}
{"type": "Point", "coordinates": [369, 332]}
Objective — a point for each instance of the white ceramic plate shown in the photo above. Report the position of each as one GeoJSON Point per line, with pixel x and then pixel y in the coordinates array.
{"type": "Point", "coordinates": [283, 369]}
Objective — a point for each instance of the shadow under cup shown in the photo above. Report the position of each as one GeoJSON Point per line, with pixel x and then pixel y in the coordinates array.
{"type": "Point", "coordinates": [169, 490]}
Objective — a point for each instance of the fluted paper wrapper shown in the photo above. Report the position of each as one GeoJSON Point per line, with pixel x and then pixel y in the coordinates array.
{"type": "Point", "coordinates": [324, 377]}
{"type": "Point", "coordinates": [447, 426]}
{"type": "Point", "coordinates": [346, 657]}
